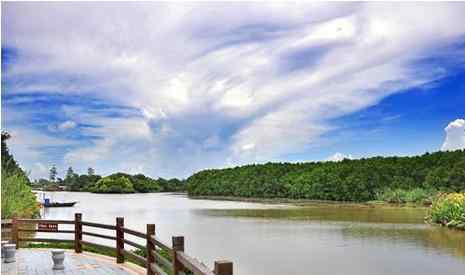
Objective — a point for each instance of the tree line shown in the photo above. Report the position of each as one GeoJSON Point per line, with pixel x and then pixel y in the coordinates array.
{"type": "Point", "coordinates": [348, 180]}
{"type": "Point", "coordinates": [114, 183]}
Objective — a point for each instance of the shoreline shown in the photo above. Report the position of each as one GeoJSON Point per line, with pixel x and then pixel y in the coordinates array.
{"type": "Point", "coordinates": [309, 203]}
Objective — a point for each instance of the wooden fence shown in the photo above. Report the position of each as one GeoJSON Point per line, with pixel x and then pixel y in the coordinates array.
{"type": "Point", "coordinates": [154, 262]}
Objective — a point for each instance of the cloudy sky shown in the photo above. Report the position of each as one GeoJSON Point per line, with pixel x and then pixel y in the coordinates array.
{"type": "Point", "coordinates": [169, 89]}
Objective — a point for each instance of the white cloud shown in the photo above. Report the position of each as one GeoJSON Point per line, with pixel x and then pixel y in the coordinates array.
{"type": "Point", "coordinates": [67, 125]}
{"type": "Point", "coordinates": [64, 126]}
{"type": "Point", "coordinates": [339, 157]}
{"type": "Point", "coordinates": [455, 136]}
{"type": "Point", "coordinates": [262, 83]}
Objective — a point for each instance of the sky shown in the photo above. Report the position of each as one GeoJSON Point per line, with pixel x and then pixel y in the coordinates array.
{"type": "Point", "coordinates": [168, 89]}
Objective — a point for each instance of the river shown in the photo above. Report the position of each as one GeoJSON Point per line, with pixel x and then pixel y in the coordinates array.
{"type": "Point", "coordinates": [264, 239]}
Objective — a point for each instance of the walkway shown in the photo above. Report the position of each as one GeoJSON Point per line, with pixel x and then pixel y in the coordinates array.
{"type": "Point", "coordinates": [39, 262]}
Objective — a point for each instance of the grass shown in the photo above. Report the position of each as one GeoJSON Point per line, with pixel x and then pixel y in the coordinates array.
{"type": "Point", "coordinates": [449, 210]}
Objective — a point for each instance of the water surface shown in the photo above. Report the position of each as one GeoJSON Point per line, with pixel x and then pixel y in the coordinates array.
{"type": "Point", "coordinates": [264, 239]}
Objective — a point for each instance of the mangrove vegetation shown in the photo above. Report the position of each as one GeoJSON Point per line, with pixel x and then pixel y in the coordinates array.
{"type": "Point", "coordinates": [391, 179]}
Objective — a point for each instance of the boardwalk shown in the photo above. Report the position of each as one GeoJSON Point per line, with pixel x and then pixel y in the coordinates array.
{"type": "Point", "coordinates": [156, 260]}
{"type": "Point", "coordinates": [39, 262]}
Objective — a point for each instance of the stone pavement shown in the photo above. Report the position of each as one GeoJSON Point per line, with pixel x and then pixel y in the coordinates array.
{"type": "Point", "coordinates": [39, 262]}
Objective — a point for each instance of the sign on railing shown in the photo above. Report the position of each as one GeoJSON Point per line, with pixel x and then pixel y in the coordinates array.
{"type": "Point", "coordinates": [51, 227]}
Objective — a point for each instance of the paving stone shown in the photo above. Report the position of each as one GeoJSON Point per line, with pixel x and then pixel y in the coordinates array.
{"type": "Point", "coordinates": [39, 262]}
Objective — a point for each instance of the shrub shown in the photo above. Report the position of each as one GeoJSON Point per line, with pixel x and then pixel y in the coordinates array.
{"type": "Point", "coordinates": [449, 210]}
{"type": "Point", "coordinates": [416, 195]}
{"type": "Point", "coordinates": [17, 197]}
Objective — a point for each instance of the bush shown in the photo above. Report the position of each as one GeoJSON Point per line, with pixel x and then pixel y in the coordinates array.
{"type": "Point", "coordinates": [416, 195]}
{"type": "Point", "coordinates": [113, 185]}
{"type": "Point", "coordinates": [449, 210]}
{"type": "Point", "coordinates": [17, 197]}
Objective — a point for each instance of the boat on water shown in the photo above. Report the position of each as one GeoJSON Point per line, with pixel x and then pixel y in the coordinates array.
{"type": "Point", "coordinates": [59, 204]}
{"type": "Point", "coordinates": [46, 202]}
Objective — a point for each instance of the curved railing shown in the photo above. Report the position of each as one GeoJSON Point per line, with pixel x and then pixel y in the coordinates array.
{"type": "Point", "coordinates": [155, 260]}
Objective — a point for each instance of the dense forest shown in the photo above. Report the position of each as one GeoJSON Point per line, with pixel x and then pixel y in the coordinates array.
{"type": "Point", "coordinates": [17, 197]}
{"type": "Point", "coordinates": [348, 180]}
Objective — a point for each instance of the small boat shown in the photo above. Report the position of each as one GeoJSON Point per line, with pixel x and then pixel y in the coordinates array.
{"type": "Point", "coordinates": [60, 204]}
{"type": "Point", "coordinates": [48, 203]}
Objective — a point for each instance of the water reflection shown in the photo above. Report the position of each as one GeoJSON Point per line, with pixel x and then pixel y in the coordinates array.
{"type": "Point", "coordinates": [332, 213]}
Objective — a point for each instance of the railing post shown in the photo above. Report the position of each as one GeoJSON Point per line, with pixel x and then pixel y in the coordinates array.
{"type": "Point", "coordinates": [223, 268]}
{"type": "Point", "coordinates": [15, 231]}
{"type": "Point", "coordinates": [119, 240]}
{"type": "Point", "coordinates": [150, 247]}
{"type": "Point", "coordinates": [178, 245]}
{"type": "Point", "coordinates": [77, 232]}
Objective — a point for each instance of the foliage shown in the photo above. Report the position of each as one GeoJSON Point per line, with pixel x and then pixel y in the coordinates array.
{"type": "Point", "coordinates": [171, 185]}
{"type": "Point", "coordinates": [81, 182]}
{"type": "Point", "coordinates": [348, 180]}
{"type": "Point", "coordinates": [141, 183]}
{"type": "Point", "coordinates": [17, 197]}
{"type": "Point", "coordinates": [449, 210]}
{"type": "Point", "coordinates": [416, 195]}
{"type": "Point", "coordinates": [88, 182]}
{"type": "Point", "coordinates": [112, 184]}
{"type": "Point", "coordinates": [53, 174]}
{"type": "Point", "coordinates": [9, 165]}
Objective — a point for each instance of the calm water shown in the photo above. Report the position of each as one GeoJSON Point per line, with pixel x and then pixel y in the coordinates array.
{"type": "Point", "coordinates": [269, 240]}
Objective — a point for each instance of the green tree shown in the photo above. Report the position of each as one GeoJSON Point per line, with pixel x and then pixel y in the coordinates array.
{"type": "Point", "coordinates": [9, 164]}
{"type": "Point", "coordinates": [348, 180]}
{"type": "Point", "coordinates": [90, 171]}
{"type": "Point", "coordinates": [17, 198]}
{"type": "Point", "coordinates": [113, 185]}
{"type": "Point", "coordinates": [53, 174]}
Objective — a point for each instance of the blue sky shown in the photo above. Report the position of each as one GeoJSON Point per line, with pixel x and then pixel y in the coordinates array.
{"type": "Point", "coordinates": [167, 89]}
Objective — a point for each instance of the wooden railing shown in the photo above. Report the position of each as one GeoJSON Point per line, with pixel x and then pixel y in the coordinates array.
{"type": "Point", "coordinates": [155, 262]}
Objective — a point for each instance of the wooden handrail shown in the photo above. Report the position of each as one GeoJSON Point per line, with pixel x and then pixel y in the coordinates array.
{"type": "Point", "coordinates": [98, 235]}
{"type": "Point", "coordinates": [7, 222]}
{"type": "Point", "coordinates": [44, 231]}
{"type": "Point", "coordinates": [193, 264]}
{"type": "Point", "coordinates": [160, 244]}
{"type": "Point", "coordinates": [162, 260]}
{"type": "Point", "coordinates": [134, 232]}
{"type": "Point", "coordinates": [157, 270]}
{"type": "Point", "coordinates": [131, 243]}
{"type": "Point", "coordinates": [44, 221]}
{"type": "Point", "coordinates": [99, 225]}
{"type": "Point", "coordinates": [136, 257]}
{"type": "Point", "coordinates": [154, 261]}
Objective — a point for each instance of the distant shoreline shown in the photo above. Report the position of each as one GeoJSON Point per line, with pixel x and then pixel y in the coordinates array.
{"type": "Point", "coordinates": [303, 202]}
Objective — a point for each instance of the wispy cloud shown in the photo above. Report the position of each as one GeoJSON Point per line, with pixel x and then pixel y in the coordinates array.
{"type": "Point", "coordinates": [262, 82]}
